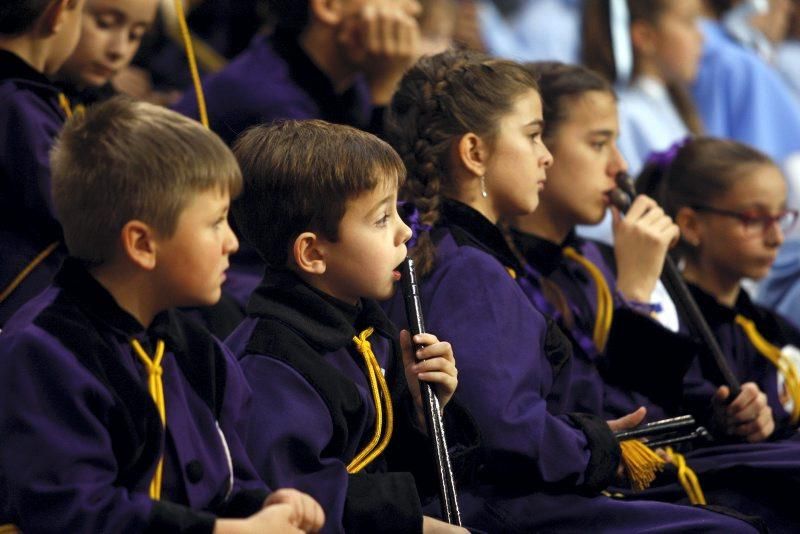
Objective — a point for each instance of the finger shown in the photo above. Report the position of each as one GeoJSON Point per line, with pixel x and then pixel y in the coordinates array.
{"type": "Point", "coordinates": [443, 349]}
{"type": "Point", "coordinates": [372, 25]}
{"type": "Point", "coordinates": [436, 364]}
{"type": "Point", "coordinates": [652, 217]}
{"type": "Point", "coordinates": [423, 340]}
{"type": "Point", "coordinates": [616, 217]}
{"type": "Point", "coordinates": [721, 394]}
{"type": "Point", "coordinates": [387, 24]}
{"type": "Point", "coordinates": [444, 380]}
{"type": "Point", "coordinates": [747, 395]}
{"type": "Point", "coordinates": [628, 421]}
{"type": "Point", "coordinates": [641, 205]}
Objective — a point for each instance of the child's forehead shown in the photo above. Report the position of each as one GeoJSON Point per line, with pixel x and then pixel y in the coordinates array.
{"type": "Point", "coordinates": [385, 189]}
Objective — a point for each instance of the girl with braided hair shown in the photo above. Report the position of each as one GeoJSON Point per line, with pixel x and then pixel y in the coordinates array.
{"type": "Point", "coordinates": [470, 131]}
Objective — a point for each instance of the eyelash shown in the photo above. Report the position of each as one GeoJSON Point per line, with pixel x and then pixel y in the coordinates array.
{"type": "Point", "coordinates": [383, 220]}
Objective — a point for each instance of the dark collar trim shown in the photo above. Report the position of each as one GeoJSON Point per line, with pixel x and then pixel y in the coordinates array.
{"type": "Point", "coordinates": [283, 296]}
{"type": "Point", "coordinates": [14, 67]}
{"type": "Point", "coordinates": [470, 227]}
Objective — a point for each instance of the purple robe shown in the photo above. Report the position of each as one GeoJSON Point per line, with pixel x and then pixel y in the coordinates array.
{"type": "Point", "coordinates": [740, 476]}
{"type": "Point", "coordinates": [313, 407]}
{"type": "Point", "coordinates": [540, 469]}
{"type": "Point", "coordinates": [81, 434]}
{"type": "Point", "coordinates": [30, 119]}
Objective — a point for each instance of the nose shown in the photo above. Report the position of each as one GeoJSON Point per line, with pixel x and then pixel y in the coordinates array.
{"type": "Point", "coordinates": [546, 160]}
{"type": "Point", "coordinates": [404, 233]}
{"type": "Point", "coordinates": [231, 243]}
{"type": "Point", "coordinates": [617, 163]}
{"type": "Point", "coordinates": [773, 234]}
{"type": "Point", "coordinates": [118, 45]}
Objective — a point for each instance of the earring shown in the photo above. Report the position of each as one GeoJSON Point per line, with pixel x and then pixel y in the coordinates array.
{"type": "Point", "coordinates": [484, 194]}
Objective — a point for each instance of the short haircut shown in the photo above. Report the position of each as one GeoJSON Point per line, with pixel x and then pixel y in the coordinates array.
{"type": "Point", "coordinates": [18, 16]}
{"type": "Point", "coordinates": [299, 175]}
{"type": "Point", "coordinates": [125, 160]}
{"type": "Point", "coordinates": [289, 14]}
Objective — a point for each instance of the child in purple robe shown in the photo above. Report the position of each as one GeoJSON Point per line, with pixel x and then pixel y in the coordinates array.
{"type": "Point", "coordinates": [470, 131]}
{"type": "Point", "coordinates": [36, 37]}
{"type": "Point", "coordinates": [730, 203]}
{"type": "Point", "coordinates": [336, 405]}
{"type": "Point", "coordinates": [111, 34]}
{"type": "Point", "coordinates": [624, 358]}
{"type": "Point", "coordinates": [118, 413]}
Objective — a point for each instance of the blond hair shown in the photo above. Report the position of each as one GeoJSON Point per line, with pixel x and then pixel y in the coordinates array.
{"type": "Point", "coordinates": [125, 160]}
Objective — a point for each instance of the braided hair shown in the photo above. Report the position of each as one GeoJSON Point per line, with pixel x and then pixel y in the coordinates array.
{"type": "Point", "coordinates": [439, 100]}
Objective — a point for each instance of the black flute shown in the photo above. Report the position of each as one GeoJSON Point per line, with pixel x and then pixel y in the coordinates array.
{"type": "Point", "coordinates": [666, 432]}
{"type": "Point", "coordinates": [433, 410]}
{"type": "Point", "coordinates": [676, 287]}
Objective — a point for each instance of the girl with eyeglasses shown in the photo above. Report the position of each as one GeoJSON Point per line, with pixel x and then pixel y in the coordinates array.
{"type": "Point", "coordinates": [729, 201]}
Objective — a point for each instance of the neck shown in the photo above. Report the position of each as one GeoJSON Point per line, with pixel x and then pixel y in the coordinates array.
{"type": "Point", "coordinates": [545, 224]}
{"type": "Point", "coordinates": [316, 43]}
{"type": "Point", "coordinates": [127, 288]}
{"type": "Point", "coordinates": [724, 289]}
{"type": "Point", "coordinates": [649, 69]}
{"type": "Point", "coordinates": [32, 52]}
{"type": "Point", "coordinates": [471, 196]}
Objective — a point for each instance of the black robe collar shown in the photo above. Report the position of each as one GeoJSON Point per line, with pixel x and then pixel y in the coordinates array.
{"type": "Point", "coordinates": [324, 322]}
{"type": "Point", "coordinates": [13, 67]}
{"type": "Point", "coordinates": [543, 255]}
{"type": "Point", "coordinates": [337, 108]}
{"type": "Point", "coordinates": [469, 227]}
{"type": "Point", "coordinates": [87, 96]}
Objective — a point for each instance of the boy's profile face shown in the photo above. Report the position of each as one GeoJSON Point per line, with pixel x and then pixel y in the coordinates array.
{"type": "Point", "coordinates": [371, 245]}
{"type": "Point", "coordinates": [111, 35]}
{"type": "Point", "coordinates": [191, 264]}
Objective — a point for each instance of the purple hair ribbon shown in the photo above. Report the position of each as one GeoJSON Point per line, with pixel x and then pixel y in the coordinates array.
{"type": "Point", "coordinates": [665, 158]}
{"type": "Point", "coordinates": [410, 215]}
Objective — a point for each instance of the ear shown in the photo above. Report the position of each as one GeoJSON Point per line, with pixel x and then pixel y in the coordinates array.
{"type": "Point", "coordinates": [328, 12]}
{"type": "Point", "coordinates": [472, 154]}
{"type": "Point", "coordinates": [643, 37]}
{"type": "Point", "coordinates": [139, 244]}
{"type": "Point", "coordinates": [309, 254]}
{"type": "Point", "coordinates": [53, 17]}
{"type": "Point", "coordinates": [689, 224]}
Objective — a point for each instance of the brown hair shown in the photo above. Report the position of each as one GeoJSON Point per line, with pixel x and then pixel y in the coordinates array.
{"type": "Point", "coordinates": [702, 170]}
{"type": "Point", "coordinates": [440, 99]}
{"type": "Point", "coordinates": [18, 16]}
{"type": "Point", "coordinates": [299, 175]}
{"type": "Point", "coordinates": [124, 160]}
{"type": "Point", "coordinates": [597, 51]}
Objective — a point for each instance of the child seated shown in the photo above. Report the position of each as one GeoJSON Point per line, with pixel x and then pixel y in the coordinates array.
{"type": "Point", "coordinates": [110, 37]}
{"type": "Point", "coordinates": [319, 205]}
{"type": "Point", "coordinates": [36, 37]}
{"type": "Point", "coordinates": [118, 413]}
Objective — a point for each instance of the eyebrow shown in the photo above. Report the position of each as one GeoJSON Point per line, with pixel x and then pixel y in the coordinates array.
{"type": "Point", "coordinates": [380, 203]}
{"type": "Point", "coordinates": [537, 122]}
{"type": "Point", "coordinates": [604, 133]}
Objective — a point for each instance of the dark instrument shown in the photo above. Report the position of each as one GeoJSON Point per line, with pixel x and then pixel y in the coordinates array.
{"type": "Point", "coordinates": [433, 410]}
{"type": "Point", "coordinates": [622, 198]}
{"type": "Point", "coordinates": [666, 432]}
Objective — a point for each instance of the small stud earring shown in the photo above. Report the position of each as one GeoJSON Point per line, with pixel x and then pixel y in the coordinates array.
{"type": "Point", "coordinates": [484, 194]}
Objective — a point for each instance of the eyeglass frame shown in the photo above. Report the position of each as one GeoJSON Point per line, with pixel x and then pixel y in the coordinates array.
{"type": "Point", "coordinates": [766, 221]}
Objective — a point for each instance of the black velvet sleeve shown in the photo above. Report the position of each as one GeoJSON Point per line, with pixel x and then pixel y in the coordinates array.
{"type": "Point", "coordinates": [643, 356]}
{"type": "Point", "coordinates": [605, 452]}
{"type": "Point", "coordinates": [167, 517]}
{"type": "Point", "coordinates": [382, 502]}
{"type": "Point", "coordinates": [244, 503]}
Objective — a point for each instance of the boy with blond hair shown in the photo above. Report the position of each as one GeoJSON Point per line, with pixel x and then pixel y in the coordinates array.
{"type": "Point", "coordinates": [116, 411]}
{"type": "Point", "coordinates": [319, 205]}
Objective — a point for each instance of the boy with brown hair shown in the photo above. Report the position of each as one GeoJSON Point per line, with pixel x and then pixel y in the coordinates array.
{"type": "Point", "coordinates": [319, 204]}
{"type": "Point", "coordinates": [116, 411]}
{"type": "Point", "coordinates": [36, 37]}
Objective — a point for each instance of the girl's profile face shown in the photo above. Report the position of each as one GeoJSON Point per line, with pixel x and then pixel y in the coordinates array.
{"type": "Point", "coordinates": [586, 159]}
{"type": "Point", "coordinates": [677, 43]}
{"type": "Point", "coordinates": [732, 248]}
{"type": "Point", "coordinates": [517, 164]}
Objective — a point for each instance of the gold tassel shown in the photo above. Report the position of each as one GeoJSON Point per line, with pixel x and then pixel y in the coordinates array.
{"type": "Point", "coordinates": [641, 463]}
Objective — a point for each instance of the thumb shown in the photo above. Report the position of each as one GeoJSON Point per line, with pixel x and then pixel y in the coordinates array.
{"type": "Point", "coordinates": [616, 217]}
{"type": "Point", "coordinates": [721, 395]}
{"type": "Point", "coordinates": [629, 421]}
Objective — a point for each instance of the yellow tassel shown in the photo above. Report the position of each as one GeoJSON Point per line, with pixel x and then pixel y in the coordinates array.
{"type": "Point", "coordinates": [641, 463]}
{"type": "Point", "coordinates": [9, 529]}
{"type": "Point", "coordinates": [687, 477]}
